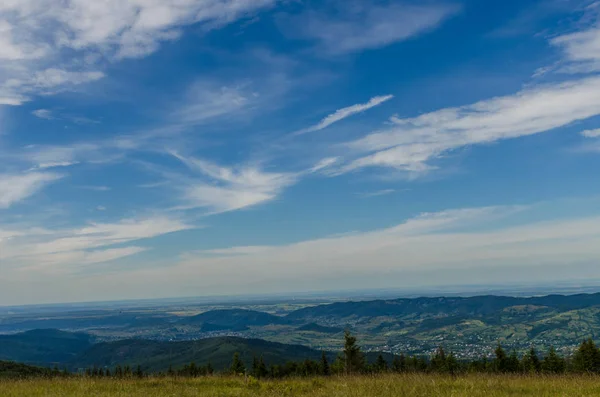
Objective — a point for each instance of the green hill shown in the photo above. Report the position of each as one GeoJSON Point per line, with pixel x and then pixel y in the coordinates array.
{"type": "Point", "coordinates": [10, 369]}
{"type": "Point", "coordinates": [234, 319]}
{"type": "Point", "coordinates": [157, 355]}
{"type": "Point", "coordinates": [43, 346]}
{"type": "Point", "coordinates": [477, 306]}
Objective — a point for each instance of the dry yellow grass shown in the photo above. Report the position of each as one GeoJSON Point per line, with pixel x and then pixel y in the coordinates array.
{"type": "Point", "coordinates": [381, 386]}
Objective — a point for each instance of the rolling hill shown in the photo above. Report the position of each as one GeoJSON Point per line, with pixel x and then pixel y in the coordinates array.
{"type": "Point", "coordinates": [470, 326]}
{"type": "Point", "coordinates": [477, 306]}
{"type": "Point", "coordinates": [157, 355]}
{"type": "Point", "coordinates": [43, 346]}
{"type": "Point", "coordinates": [234, 319]}
{"type": "Point", "coordinates": [10, 369]}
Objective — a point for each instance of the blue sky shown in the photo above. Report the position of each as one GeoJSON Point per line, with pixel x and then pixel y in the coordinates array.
{"type": "Point", "coordinates": [200, 147]}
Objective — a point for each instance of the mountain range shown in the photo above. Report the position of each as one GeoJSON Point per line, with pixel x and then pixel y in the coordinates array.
{"type": "Point", "coordinates": [470, 326]}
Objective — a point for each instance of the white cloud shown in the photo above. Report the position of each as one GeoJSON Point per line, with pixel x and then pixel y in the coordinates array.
{"type": "Point", "coordinates": [53, 77]}
{"type": "Point", "coordinates": [128, 28]}
{"type": "Point", "coordinates": [44, 157]}
{"type": "Point", "coordinates": [413, 142]}
{"type": "Point", "coordinates": [56, 156]}
{"type": "Point", "coordinates": [591, 133]}
{"type": "Point", "coordinates": [341, 114]}
{"type": "Point", "coordinates": [437, 242]}
{"type": "Point", "coordinates": [43, 114]}
{"type": "Point", "coordinates": [89, 244]}
{"type": "Point", "coordinates": [97, 188]}
{"type": "Point", "coordinates": [36, 34]}
{"type": "Point", "coordinates": [359, 26]}
{"type": "Point", "coordinates": [110, 254]}
{"type": "Point", "coordinates": [227, 189]}
{"type": "Point", "coordinates": [17, 90]}
{"type": "Point", "coordinates": [247, 250]}
{"type": "Point", "coordinates": [205, 101]}
{"type": "Point", "coordinates": [581, 49]}
{"type": "Point", "coordinates": [454, 247]}
{"type": "Point", "coordinates": [17, 187]}
{"type": "Point", "coordinates": [324, 164]}
{"type": "Point", "coordinates": [377, 193]}
{"type": "Point", "coordinates": [11, 49]}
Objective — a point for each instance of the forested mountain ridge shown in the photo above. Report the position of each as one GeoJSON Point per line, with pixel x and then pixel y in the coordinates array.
{"type": "Point", "coordinates": [158, 355]}
{"type": "Point", "coordinates": [470, 326]}
{"type": "Point", "coordinates": [43, 346]}
{"type": "Point", "coordinates": [472, 306]}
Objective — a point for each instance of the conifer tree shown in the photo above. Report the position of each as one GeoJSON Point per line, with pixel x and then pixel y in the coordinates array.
{"type": "Point", "coordinates": [438, 361]}
{"type": "Point", "coordinates": [513, 363]}
{"type": "Point", "coordinates": [254, 371]}
{"type": "Point", "coordinates": [262, 368]}
{"type": "Point", "coordinates": [531, 362]}
{"type": "Point", "coordinates": [325, 370]}
{"type": "Point", "coordinates": [553, 363]}
{"type": "Point", "coordinates": [381, 365]}
{"type": "Point", "coordinates": [399, 363]}
{"type": "Point", "coordinates": [587, 357]}
{"type": "Point", "coordinates": [237, 366]}
{"type": "Point", "coordinates": [452, 365]}
{"type": "Point", "coordinates": [193, 369]}
{"type": "Point", "coordinates": [353, 358]}
{"type": "Point", "coordinates": [501, 361]}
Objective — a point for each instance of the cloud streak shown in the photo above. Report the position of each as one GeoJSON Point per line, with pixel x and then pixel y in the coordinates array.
{"type": "Point", "coordinates": [226, 189]}
{"type": "Point", "coordinates": [15, 188]}
{"type": "Point", "coordinates": [412, 143]}
{"type": "Point", "coordinates": [581, 50]}
{"type": "Point", "coordinates": [449, 242]}
{"type": "Point", "coordinates": [93, 243]}
{"type": "Point", "coordinates": [343, 113]}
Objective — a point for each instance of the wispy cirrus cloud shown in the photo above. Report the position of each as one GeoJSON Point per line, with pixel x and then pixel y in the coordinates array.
{"type": "Point", "coordinates": [358, 26]}
{"type": "Point", "coordinates": [324, 164]}
{"type": "Point", "coordinates": [62, 249]}
{"type": "Point", "coordinates": [343, 113]}
{"type": "Point", "coordinates": [224, 189]}
{"type": "Point", "coordinates": [376, 193]}
{"type": "Point", "coordinates": [38, 157]}
{"type": "Point", "coordinates": [124, 29]}
{"type": "Point", "coordinates": [458, 248]}
{"type": "Point", "coordinates": [43, 114]}
{"type": "Point", "coordinates": [17, 187]}
{"type": "Point", "coordinates": [581, 51]}
{"type": "Point", "coordinates": [591, 133]}
{"type": "Point", "coordinates": [19, 89]}
{"type": "Point", "coordinates": [205, 101]}
{"type": "Point", "coordinates": [412, 143]}
{"type": "Point", "coordinates": [36, 35]}
{"type": "Point", "coordinates": [99, 188]}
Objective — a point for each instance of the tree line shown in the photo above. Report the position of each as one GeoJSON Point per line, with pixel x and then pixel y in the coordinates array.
{"type": "Point", "coordinates": [352, 360]}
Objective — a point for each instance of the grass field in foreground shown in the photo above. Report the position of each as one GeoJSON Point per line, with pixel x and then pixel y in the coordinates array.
{"type": "Point", "coordinates": [381, 386]}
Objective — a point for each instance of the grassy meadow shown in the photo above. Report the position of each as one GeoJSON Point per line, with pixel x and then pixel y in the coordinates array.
{"type": "Point", "coordinates": [381, 386]}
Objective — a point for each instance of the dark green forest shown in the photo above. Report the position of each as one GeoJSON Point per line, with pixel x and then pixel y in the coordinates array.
{"type": "Point", "coordinates": [351, 360]}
